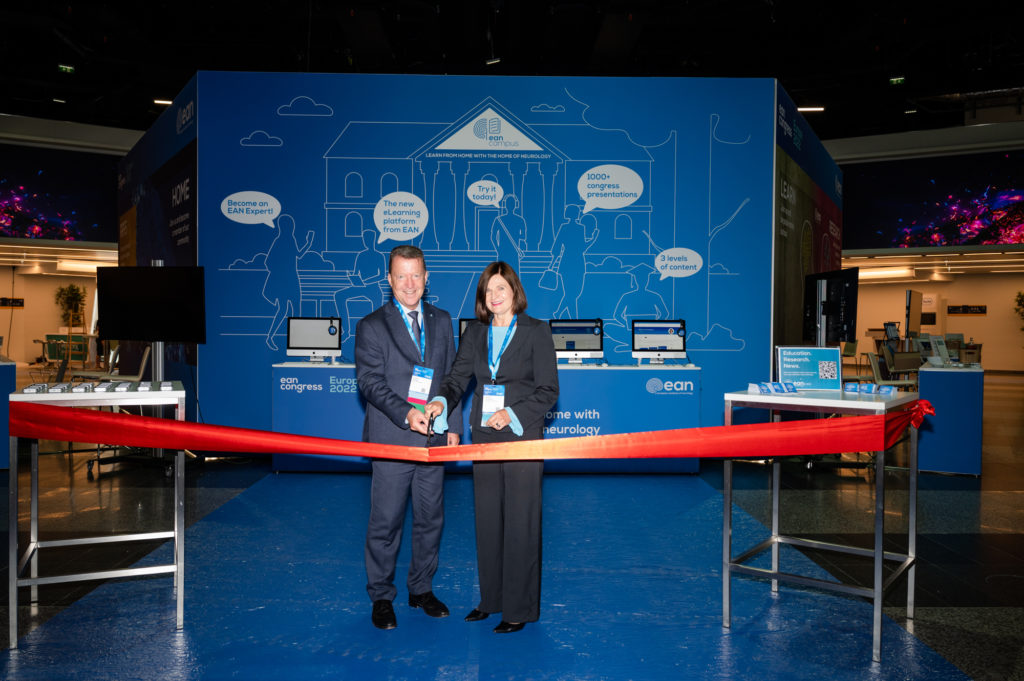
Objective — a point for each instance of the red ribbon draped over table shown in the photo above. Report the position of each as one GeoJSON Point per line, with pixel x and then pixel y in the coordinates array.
{"type": "Point", "coordinates": [761, 440]}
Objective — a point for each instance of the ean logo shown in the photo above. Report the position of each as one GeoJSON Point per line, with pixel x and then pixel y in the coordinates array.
{"type": "Point", "coordinates": [657, 386]}
{"type": "Point", "coordinates": [185, 116]}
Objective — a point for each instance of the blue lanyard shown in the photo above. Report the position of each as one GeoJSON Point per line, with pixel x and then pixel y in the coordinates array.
{"type": "Point", "coordinates": [423, 329]}
{"type": "Point", "coordinates": [493, 364]}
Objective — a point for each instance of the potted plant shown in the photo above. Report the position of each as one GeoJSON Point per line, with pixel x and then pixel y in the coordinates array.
{"type": "Point", "coordinates": [70, 299]}
{"type": "Point", "coordinates": [1019, 309]}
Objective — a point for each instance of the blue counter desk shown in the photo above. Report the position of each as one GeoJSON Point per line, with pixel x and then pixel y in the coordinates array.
{"type": "Point", "coordinates": [950, 441]}
{"type": "Point", "coordinates": [7, 383]}
{"type": "Point", "coordinates": [323, 400]}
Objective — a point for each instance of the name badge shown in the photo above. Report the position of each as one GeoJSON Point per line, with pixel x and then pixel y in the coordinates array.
{"type": "Point", "coordinates": [494, 401]}
{"type": "Point", "coordinates": [419, 386]}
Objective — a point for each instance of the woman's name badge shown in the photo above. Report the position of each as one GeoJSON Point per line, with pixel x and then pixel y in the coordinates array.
{"type": "Point", "coordinates": [419, 386]}
{"type": "Point", "coordinates": [494, 400]}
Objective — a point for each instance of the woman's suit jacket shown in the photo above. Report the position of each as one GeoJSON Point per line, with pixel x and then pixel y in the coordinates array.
{"type": "Point", "coordinates": [528, 370]}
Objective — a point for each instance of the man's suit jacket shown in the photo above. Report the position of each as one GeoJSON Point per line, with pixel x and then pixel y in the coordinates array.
{"type": "Point", "coordinates": [385, 356]}
{"type": "Point", "coordinates": [528, 370]}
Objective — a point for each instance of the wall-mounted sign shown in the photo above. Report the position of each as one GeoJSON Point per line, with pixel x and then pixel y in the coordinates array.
{"type": "Point", "coordinates": [967, 309]}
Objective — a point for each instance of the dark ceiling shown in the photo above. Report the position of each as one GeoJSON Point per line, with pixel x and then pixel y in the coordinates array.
{"type": "Point", "coordinates": [837, 55]}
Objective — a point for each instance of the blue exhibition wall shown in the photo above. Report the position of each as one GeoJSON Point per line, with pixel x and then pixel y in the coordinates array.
{"type": "Point", "coordinates": [614, 198]}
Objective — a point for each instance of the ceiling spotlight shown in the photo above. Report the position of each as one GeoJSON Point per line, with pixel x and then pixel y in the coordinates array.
{"type": "Point", "coordinates": [810, 109]}
{"type": "Point", "coordinates": [897, 80]}
{"type": "Point", "coordinates": [492, 61]}
{"type": "Point", "coordinates": [163, 102]}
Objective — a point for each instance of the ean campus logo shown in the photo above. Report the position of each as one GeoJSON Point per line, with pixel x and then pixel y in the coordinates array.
{"type": "Point", "coordinates": [485, 127]}
{"type": "Point", "coordinates": [656, 386]}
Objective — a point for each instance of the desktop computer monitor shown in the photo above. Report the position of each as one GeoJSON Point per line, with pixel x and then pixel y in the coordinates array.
{"type": "Point", "coordinates": [923, 344]}
{"type": "Point", "coordinates": [578, 339]}
{"type": "Point", "coordinates": [464, 323]}
{"type": "Point", "coordinates": [939, 348]}
{"type": "Point", "coordinates": [314, 337]}
{"type": "Point", "coordinates": [659, 339]}
{"type": "Point", "coordinates": [954, 343]}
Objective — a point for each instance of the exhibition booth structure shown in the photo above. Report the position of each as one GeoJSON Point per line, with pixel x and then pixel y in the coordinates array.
{"type": "Point", "coordinates": [615, 199]}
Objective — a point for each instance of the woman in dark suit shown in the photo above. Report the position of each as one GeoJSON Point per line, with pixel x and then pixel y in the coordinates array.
{"type": "Point", "coordinates": [512, 357]}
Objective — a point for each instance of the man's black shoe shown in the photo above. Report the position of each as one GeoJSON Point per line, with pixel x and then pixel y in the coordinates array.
{"type": "Point", "coordinates": [384, 615]}
{"type": "Point", "coordinates": [428, 601]}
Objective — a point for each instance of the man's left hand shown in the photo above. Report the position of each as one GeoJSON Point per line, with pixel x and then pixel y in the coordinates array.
{"type": "Point", "coordinates": [418, 421]}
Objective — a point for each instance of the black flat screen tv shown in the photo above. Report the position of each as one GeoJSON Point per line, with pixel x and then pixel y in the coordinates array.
{"type": "Point", "coordinates": [151, 304]}
{"type": "Point", "coordinates": [830, 304]}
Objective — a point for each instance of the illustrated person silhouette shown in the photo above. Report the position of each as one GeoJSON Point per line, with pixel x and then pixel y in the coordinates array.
{"type": "Point", "coordinates": [570, 254]}
{"type": "Point", "coordinates": [641, 302]}
{"type": "Point", "coordinates": [508, 233]}
{"type": "Point", "coordinates": [281, 287]}
{"type": "Point", "coordinates": [404, 348]}
{"type": "Point", "coordinates": [364, 280]}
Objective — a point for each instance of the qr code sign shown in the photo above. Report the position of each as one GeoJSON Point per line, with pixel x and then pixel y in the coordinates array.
{"type": "Point", "coordinates": [828, 370]}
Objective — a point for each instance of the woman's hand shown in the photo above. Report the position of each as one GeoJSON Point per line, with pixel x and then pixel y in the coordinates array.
{"type": "Point", "coordinates": [499, 420]}
{"type": "Point", "coordinates": [433, 409]}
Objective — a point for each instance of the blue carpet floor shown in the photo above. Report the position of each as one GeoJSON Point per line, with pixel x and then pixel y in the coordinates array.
{"type": "Point", "coordinates": [631, 590]}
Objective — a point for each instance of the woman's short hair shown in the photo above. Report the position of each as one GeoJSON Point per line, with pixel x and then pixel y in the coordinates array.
{"type": "Point", "coordinates": [509, 275]}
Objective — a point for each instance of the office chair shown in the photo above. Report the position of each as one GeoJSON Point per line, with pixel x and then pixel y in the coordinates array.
{"type": "Point", "coordinates": [117, 375]}
{"type": "Point", "coordinates": [876, 372]}
{"type": "Point", "coordinates": [51, 373]}
{"type": "Point", "coordinates": [114, 372]}
{"type": "Point", "coordinates": [97, 374]}
{"type": "Point", "coordinates": [849, 349]}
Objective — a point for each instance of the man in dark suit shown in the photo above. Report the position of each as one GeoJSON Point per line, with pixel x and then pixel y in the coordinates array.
{"type": "Point", "coordinates": [403, 351]}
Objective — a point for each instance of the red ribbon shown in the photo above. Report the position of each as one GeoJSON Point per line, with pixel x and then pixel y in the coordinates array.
{"type": "Point", "coordinates": [761, 440]}
{"type": "Point", "coordinates": [921, 409]}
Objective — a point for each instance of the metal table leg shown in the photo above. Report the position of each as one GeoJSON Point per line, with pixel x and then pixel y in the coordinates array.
{"type": "Point", "coordinates": [33, 531]}
{"type": "Point", "coordinates": [776, 473]}
{"type": "Point", "coordinates": [912, 524]}
{"type": "Point", "coordinates": [727, 529]}
{"type": "Point", "coordinates": [12, 545]}
{"type": "Point", "coordinates": [179, 536]}
{"type": "Point", "coordinates": [726, 542]}
{"type": "Point", "coordinates": [877, 584]}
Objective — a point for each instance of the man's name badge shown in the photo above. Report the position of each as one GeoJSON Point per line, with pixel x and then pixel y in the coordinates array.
{"type": "Point", "coordinates": [419, 386]}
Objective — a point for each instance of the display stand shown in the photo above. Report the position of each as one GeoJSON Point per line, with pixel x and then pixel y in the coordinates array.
{"type": "Point", "coordinates": [824, 402]}
{"type": "Point", "coordinates": [16, 566]}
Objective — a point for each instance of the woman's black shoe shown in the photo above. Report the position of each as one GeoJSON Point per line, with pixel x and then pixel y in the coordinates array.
{"type": "Point", "coordinates": [508, 627]}
{"type": "Point", "coordinates": [477, 615]}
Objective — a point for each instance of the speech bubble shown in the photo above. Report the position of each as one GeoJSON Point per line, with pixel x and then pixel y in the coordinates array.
{"type": "Point", "coordinates": [678, 262]}
{"type": "Point", "coordinates": [251, 208]}
{"type": "Point", "coordinates": [609, 186]}
{"type": "Point", "coordinates": [400, 216]}
{"type": "Point", "coordinates": [485, 193]}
